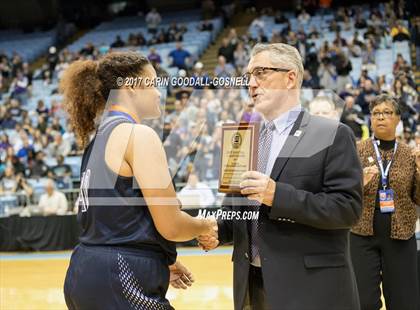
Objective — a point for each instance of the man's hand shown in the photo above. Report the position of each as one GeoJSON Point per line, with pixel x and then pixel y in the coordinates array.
{"type": "Point", "coordinates": [207, 242]}
{"type": "Point", "coordinates": [180, 276]}
{"type": "Point", "coordinates": [258, 186]}
{"type": "Point", "coordinates": [210, 240]}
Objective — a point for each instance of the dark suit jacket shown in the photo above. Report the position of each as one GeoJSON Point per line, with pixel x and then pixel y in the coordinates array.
{"type": "Point", "coordinates": [304, 236]}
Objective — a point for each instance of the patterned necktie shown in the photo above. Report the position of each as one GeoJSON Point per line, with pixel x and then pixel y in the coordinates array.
{"type": "Point", "coordinates": [264, 144]}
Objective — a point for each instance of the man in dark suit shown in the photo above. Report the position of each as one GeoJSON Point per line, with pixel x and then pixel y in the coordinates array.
{"type": "Point", "coordinates": [308, 191]}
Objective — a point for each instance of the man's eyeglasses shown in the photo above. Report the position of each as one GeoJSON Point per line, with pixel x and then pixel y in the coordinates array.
{"type": "Point", "coordinates": [261, 73]}
{"type": "Point", "coordinates": [384, 114]}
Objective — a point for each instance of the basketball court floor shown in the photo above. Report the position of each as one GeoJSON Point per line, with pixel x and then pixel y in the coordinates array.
{"type": "Point", "coordinates": [34, 281]}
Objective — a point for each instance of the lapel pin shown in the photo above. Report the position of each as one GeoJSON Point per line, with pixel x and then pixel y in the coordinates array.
{"type": "Point", "coordinates": [298, 133]}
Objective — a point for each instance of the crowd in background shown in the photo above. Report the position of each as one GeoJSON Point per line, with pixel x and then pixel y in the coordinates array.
{"type": "Point", "coordinates": [34, 143]}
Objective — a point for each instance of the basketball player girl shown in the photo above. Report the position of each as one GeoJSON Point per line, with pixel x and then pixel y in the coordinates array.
{"type": "Point", "coordinates": [129, 215]}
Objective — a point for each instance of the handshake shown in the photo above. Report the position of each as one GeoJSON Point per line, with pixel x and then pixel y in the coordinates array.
{"type": "Point", "coordinates": [210, 239]}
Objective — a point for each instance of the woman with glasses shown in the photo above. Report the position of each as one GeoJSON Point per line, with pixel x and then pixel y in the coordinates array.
{"type": "Point", "coordinates": [382, 243]}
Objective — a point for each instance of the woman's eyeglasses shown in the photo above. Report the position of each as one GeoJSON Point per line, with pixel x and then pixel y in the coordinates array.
{"type": "Point", "coordinates": [384, 114]}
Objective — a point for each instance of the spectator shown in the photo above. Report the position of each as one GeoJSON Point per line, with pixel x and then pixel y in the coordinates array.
{"type": "Point", "coordinates": [314, 33]}
{"type": "Point", "coordinates": [4, 143]}
{"type": "Point", "coordinates": [400, 33]}
{"type": "Point", "coordinates": [366, 96]}
{"type": "Point", "coordinates": [17, 64]}
{"type": "Point", "coordinates": [241, 56]}
{"type": "Point", "coordinates": [174, 33]}
{"type": "Point", "coordinates": [363, 77]}
{"type": "Point", "coordinates": [5, 68]}
{"type": "Point", "coordinates": [154, 57]}
{"type": "Point", "coordinates": [41, 109]}
{"type": "Point", "coordinates": [196, 194]}
{"type": "Point", "coordinates": [18, 166]}
{"type": "Point", "coordinates": [343, 67]}
{"type": "Point", "coordinates": [327, 74]}
{"type": "Point", "coordinates": [233, 38]}
{"type": "Point", "coordinates": [400, 64]}
{"type": "Point", "coordinates": [12, 183]}
{"type": "Point", "coordinates": [39, 168]}
{"type": "Point", "coordinates": [334, 26]}
{"type": "Point", "coordinates": [323, 106]}
{"type": "Point", "coordinates": [60, 170]}
{"type": "Point", "coordinates": [88, 49]}
{"type": "Point", "coordinates": [25, 149]}
{"type": "Point", "coordinates": [258, 23]}
{"type": "Point", "coordinates": [118, 42]}
{"type": "Point", "coordinates": [53, 202]}
{"type": "Point", "coordinates": [353, 117]}
{"type": "Point", "coordinates": [279, 18]}
{"type": "Point", "coordinates": [261, 37]}
{"type": "Point", "coordinates": [360, 22]}
{"type": "Point", "coordinates": [61, 173]}
{"type": "Point", "coordinates": [8, 183]}
{"type": "Point", "coordinates": [27, 73]}
{"type": "Point", "coordinates": [227, 51]}
{"type": "Point", "coordinates": [19, 87]}
{"type": "Point", "coordinates": [200, 74]}
{"type": "Point", "coordinates": [58, 146]}
{"type": "Point", "coordinates": [382, 85]}
{"type": "Point", "coordinates": [42, 124]}
{"type": "Point", "coordinates": [368, 57]}
{"type": "Point", "coordinates": [206, 25]}
{"type": "Point", "coordinates": [309, 81]}
{"type": "Point", "coordinates": [153, 19]}
{"type": "Point", "coordinates": [56, 126]}
{"type": "Point", "coordinates": [52, 59]}
{"type": "Point", "coordinates": [304, 17]}
{"type": "Point", "coordinates": [223, 69]}
{"type": "Point", "coordinates": [405, 96]}
{"type": "Point", "coordinates": [355, 45]}
{"type": "Point", "coordinates": [179, 57]}
{"type": "Point", "coordinates": [339, 41]}
{"type": "Point", "coordinates": [347, 24]}
{"type": "Point", "coordinates": [15, 109]}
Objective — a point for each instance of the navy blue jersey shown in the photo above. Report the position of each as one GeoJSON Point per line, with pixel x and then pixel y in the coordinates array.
{"type": "Point", "coordinates": [112, 210]}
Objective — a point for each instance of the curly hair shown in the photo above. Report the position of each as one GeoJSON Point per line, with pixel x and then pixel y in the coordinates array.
{"type": "Point", "coordinates": [86, 85]}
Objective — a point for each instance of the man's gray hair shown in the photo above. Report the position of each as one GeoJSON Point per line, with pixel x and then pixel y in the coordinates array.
{"type": "Point", "coordinates": [283, 55]}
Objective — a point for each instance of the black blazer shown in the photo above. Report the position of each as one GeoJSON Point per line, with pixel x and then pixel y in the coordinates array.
{"type": "Point", "coordinates": [304, 236]}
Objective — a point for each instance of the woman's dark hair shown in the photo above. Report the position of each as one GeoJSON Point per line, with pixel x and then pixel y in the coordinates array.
{"type": "Point", "coordinates": [385, 98]}
{"type": "Point", "coordinates": [86, 85]}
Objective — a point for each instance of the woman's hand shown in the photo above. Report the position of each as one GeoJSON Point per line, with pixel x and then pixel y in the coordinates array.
{"type": "Point", "coordinates": [210, 239]}
{"type": "Point", "coordinates": [180, 276]}
{"type": "Point", "coordinates": [369, 173]}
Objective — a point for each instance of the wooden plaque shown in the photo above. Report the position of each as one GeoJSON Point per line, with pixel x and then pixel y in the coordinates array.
{"type": "Point", "coordinates": [238, 154]}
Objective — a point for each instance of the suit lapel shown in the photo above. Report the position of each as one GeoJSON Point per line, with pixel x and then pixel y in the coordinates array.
{"type": "Point", "coordinates": [290, 144]}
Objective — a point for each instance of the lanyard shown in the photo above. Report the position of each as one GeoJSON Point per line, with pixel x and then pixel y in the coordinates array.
{"type": "Point", "coordinates": [384, 173]}
{"type": "Point", "coordinates": [117, 110]}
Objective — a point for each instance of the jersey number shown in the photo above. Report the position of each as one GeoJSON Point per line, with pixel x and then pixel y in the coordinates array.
{"type": "Point", "coordinates": [83, 195]}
